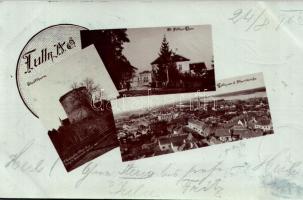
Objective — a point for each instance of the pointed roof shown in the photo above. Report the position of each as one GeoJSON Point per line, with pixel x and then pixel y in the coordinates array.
{"type": "Point", "coordinates": [176, 58]}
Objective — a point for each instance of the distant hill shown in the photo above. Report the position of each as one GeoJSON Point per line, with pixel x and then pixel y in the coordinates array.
{"type": "Point", "coordinates": [144, 110]}
{"type": "Point", "coordinates": [242, 92]}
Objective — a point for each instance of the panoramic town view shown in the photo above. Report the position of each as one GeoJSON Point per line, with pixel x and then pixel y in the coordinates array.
{"type": "Point", "coordinates": [193, 124]}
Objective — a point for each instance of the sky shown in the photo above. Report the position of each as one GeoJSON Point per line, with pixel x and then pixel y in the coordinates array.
{"type": "Point", "coordinates": [145, 44]}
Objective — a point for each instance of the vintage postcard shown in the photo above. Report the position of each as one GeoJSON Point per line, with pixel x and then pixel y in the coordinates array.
{"type": "Point", "coordinates": [237, 110]}
{"type": "Point", "coordinates": [160, 60]}
{"type": "Point", "coordinates": [76, 108]}
{"type": "Point", "coordinates": [247, 37]}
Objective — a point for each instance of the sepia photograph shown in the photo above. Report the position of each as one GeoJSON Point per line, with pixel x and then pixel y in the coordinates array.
{"type": "Point", "coordinates": [76, 109]}
{"type": "Point", "coordinates": [157, 60]}
{"type": "Point", "coordinates": [238, 110]}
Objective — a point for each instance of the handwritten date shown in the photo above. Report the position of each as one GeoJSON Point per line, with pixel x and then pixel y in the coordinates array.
{"type": "Point", "coordinates": [258, 19]}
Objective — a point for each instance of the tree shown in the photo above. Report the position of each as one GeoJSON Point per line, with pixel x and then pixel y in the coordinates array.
{"type": "Point", "coordinates": [74, 85]}
{"type": "Point", "coordinates": [94, 91]}
{"type": "Point", "coordinates": [166, 67]}
{"type": "Point", "coordinates": [109, 44]}
{"type": "Point", "coordinates": [90, 85]}
{"type": "Point", "coordinates": [163, 59]}
{"type": "Point", "coordinates": [199, 69]}
{"type": "Point", "coordinates": [165, 52]}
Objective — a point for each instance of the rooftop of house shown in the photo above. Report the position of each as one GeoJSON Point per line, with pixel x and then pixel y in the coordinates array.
{"type": "Point", "coordinates": [145, 72]}
{"type": "Point", "coordinates": [215, 140]}
{"type": "Point", "coordinates": [178, 129]}
{"type": "Point", "coordinates": [241, 131]}
{"type": "Point", "coordinates": [238, 126]}
{"type": "Point", "coordinates": [197, 122]}
{"type": "Point", "coordinates": [177, 143]}
{"type": "Point", "coordinates": [209, 130]}
{"type": "Point", "coordinates": [236, 120]}
{"type": "Point", "coordinates": [164, 140]}
{"type": "Point", "coordinates": [251, 134]}
{"type": "Point", "coordinates": [175, 58]}
{"type": "Point", "coordinates": [222, 132]}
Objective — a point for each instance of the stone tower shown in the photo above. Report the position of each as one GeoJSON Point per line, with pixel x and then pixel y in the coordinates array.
{"type": "Point", "coordinates": [77, 104]}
